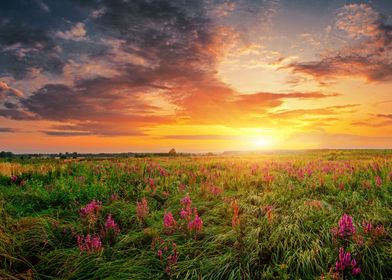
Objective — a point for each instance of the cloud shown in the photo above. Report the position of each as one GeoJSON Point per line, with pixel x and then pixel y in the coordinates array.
{"type": "Point", "coordinates": [17, 114]}
{"type": "Point", "coordinates": [388, 116]}
{"type": "Point", "coordinates": [77, 32]}
{"type": "Point", "coordinates": [7, 130]}
{"type": "Point", "coordinates": [66, 133]}
{"type": "Point", "coordinates": [322, 139]}
{"type": "Point", "coordinates": [25, 41]}
{"type": "Point", "coordinates": [266, 100]}
{"type": "Point", "coordinates": [358, 20]}
{"type": "Point", "coordinates": [6, 89]}
{"type": "Point", "coordinates": [143, 64]}
{"type": "Point", "coordinates": [375, 120]}
{"type": "Point", "coordinates": [367, 55]}
{"type": "Point", "coordinates": [96, 128]}
{"type": "Point", "coordinates": [300, 113]}
{"type": "Point", "coordinates": [200, 137]}
{"type": "Point", "coordinates": [43, 5]}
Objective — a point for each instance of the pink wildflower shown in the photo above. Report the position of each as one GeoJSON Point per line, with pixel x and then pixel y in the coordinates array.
{"type": "Point", "coordinates": [171, 260]}
{"type": "Point", "coordinates": [186, 201]}
{"type": "Point", "coordinates": [14, 179]}
{"type": "Point", "coordinates": [341, 186]}
{"type": "Point", "coordinates": [169, 221]}
{"type": "Point", "coordinates": [367, 227]}
{"type": "Point", "coordinates": [151, 186]}
{"type": "Point", "coordinates": [89, 244]}
{"type": "Point", "coordinates": [110, 225]}
{"type": "Point", "coordinates": [185, 213]}
{"type": "Point", "coordinates": [379, 231]}
{"type": "Point", "coordinates": [195, 225]}
{"type": "Point", "coordinates": [181, 188]}
{"type": "Point", "coordinates": [378, 181]}
{"type": "Point", "coordinates": [216, 190]}
{"type": "Point", "coordinates": [90, 211]}
{"type": "Point", "coordinates": [142, 209]}
{"type": "Point", "coordinates": [356, 271]}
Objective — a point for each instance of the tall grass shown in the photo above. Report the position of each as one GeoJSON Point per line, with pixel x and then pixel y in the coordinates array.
{"type": "Point", "coordinates": [287, 207]}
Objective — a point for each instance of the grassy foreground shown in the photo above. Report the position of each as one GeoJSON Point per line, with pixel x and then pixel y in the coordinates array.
{"type": "Point", "coordinates": [317, 215]}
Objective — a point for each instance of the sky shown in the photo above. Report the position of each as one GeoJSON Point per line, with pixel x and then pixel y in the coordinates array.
{"type": "Point", "coordinates": [196, 75]}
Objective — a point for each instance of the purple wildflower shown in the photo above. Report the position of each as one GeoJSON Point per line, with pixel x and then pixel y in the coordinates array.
{"type": "Point", "coordinates": [346, 226]}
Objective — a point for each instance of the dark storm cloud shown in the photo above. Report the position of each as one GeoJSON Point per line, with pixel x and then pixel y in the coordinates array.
{"type": "Point", "coordinates": [152, 45]}
{"type": "Point", "coordinates": [27, 40]}
{"type": "Point", "coordinates": [24, 43]}
{"type": "Point", "coordinates": [97, 99]}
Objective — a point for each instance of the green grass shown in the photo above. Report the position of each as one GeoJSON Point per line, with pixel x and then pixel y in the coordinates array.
{"type": "Point", "coordinates": [39, 218]}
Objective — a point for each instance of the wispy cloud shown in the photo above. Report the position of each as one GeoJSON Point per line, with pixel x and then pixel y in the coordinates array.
{"type": "Point", "coordinates": [367, 55]}
{"type": "Point", "coordinates": [7, 130]}
{"type": "Point", "coordinates": [76, 32]}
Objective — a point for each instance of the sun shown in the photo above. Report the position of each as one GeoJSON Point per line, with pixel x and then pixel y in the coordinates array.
{"type": "Point", "coordinates": [261, 142]}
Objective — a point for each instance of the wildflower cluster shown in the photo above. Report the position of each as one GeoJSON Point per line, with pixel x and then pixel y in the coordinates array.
{"type": "Point", "coordinates": [378, 181]}
{"type": "Point", "coordinates": [345, 229]}
{"type": "Point", "coordinates": [17, 180]}
{"type": "Point", "coordinates": [195, 223]}
{"type": "Point", "coordinates": [151, 186]}
{"type": "Point", "coordinates": [166, 251]}
{"type": "Point", "coordinates": [111, 226]}
{"type": "Point", "coordinates": [169, 222]}
{"type": "Point", "coordinates": [209, 190]}
{"type": "Point", "coordinates": [189, 218]}
{"type": "Point", "coordinates": [91, 211]}
{"type": "Point", "coordinates": [89, 243]}
{"type": "Point", "coordinates": [346, 262]}
{"type": "Point", "coordinates": [374, 232]}
{"type": "Point", "coordinates": [97, 232]}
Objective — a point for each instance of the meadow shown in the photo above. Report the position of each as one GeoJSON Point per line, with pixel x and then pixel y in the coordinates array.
{"type": "Point", "coordinates": [305, 215]}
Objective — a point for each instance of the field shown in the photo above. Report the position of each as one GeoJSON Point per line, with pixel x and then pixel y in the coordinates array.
{"type": "Point", "coordinates": [305, 215]}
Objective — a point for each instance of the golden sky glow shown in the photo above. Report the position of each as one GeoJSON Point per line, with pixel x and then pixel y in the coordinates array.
{"type": "Point", "coordinates": [199, 76]}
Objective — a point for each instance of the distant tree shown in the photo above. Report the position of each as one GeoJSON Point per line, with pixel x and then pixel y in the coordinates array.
{"type": "Point", "coordinates": [4, 154]}
{"type": "Point", "coordinates": [172, 152]}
